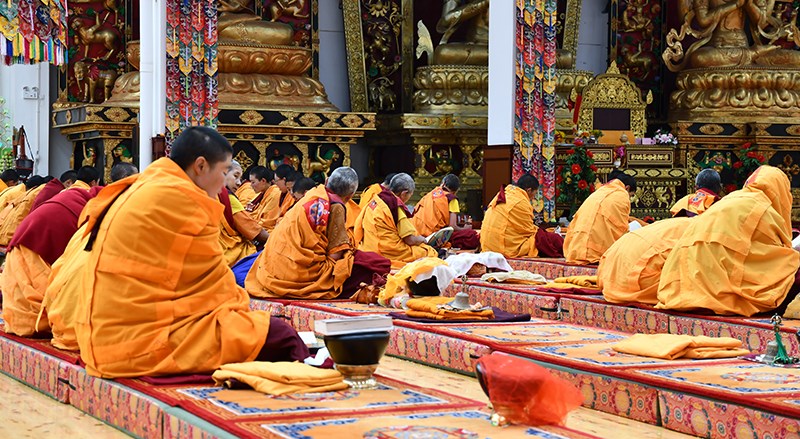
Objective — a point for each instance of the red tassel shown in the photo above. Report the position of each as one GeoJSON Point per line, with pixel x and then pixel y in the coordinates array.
{"type": "Point", "coordinates": [501, 196]}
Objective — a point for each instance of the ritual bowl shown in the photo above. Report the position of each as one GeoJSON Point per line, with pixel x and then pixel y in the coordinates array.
{"type": "Point", "coordinates": [356, 356]}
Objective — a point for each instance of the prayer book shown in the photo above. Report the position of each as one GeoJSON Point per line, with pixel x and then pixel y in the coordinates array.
{"type": "Point", "coordinates": [353, 325]}
{"type": "Point", "coordinates": [440, 237]}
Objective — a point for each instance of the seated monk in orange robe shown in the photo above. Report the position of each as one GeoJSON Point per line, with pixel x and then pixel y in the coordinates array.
{"type": "Point", "coordinates": [309, 254]}
{"type": "Point", "coordinates": [300, 186]}
{"type": "Point", "coordinates": [268, 198]}
{"type": "Point", "coordinates": [65, 283]}
{"type": "Point", "coordinates": [708, 185]}
{"type": "Point", "coordinates": [159, 298]}
{"type": "Point", "coordinates": [385, 226]}
{"type": "Point", "coordinates": [600, 221]}
{"type": "Point", "coordinates": [439, 209]}
{"type": "Point", "coordinates": [17, 211]}
{"type": "Point", "coordinates": [54, 187]}
{"type": "Point", "coordinates": [8, 178]}
{"type": "Point", "coordinates": [285, 175]}
{"type": "Point", "coordinates": [737, 258]}
{"type": "Point", "coordinates": [40, 239]}
{"type": "Point", "coordinates": [630, 269]}
{"type": "Point", "coordinates": [245, 194]}
{"type": "Point", "coordinates": [374, 189]}
{"type": "Point", "coordinates": [14, 195]}
{"type": "Point", "coordinates": [508, 226]}
{"type": "Point", "coordinates": [237, 230]}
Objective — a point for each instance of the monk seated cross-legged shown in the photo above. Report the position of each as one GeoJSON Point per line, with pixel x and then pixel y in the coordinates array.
{"type": "Point", "coordinates": [8, 179]}
{"type": "Point", "coordinates": [439, 209]}
{"type": "Point", "coordinates": [65, 283]}
{"type": "Point", "coordinates": [39, 240]}
{"type": "Point", "coordinates": [285, 175]}
{"type": "Point", "coordinates": [374, 189]}
{"type": "Point", "coordinates": [309, 254]}
{"type": "Point", "coordinates": [158, 298]}
{"type": "Point", "coordinates": [54, 187]}
{"type": "Point", "coordinates": [385, 226]}
{"type": "Point", "coordinates": [630, 269]}
{"type": "Point", "coordinates": [267, 194]}
{"type": "Point", "coordinates": [736, 258]}
{"type": "Point", "coordinates": [508, 226]}
{"type": "Point", "coordinates": [238, 229]}
{"type": "Point", "coordinates": [18, 206]}
{"type": "Point", "coordinates": [709, 186]}
{"type": "Point", "coordinates": [600, 221]}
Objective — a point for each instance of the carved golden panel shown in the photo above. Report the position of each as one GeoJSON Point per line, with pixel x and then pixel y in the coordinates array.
{"type": "Point", "coordinates": [711, 129]}
{"type": "Point", "coordinates": [613, 90]}
{"type": "Point", "coordinates": [648, 157]}
{"type": "Point", "coordinates": [794, 130]}
{"type": "Point", "coordinates": [251, 117]}
{"type": "Point", "coordinates": [310, 120]}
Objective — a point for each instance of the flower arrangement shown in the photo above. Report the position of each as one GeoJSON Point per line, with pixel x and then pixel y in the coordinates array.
{"type": "Point", "coordinates": [619, 155]}
{"type": "Point", "coordinates": [587, 136]}
{"type": "Point", "coordinates": [665, 138]}
{"type": "Point", "coordinates": [749, 160]}
{"type": "Point", "coordinates": [575, 180]}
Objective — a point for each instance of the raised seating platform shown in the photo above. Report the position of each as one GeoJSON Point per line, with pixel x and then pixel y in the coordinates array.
{"type": "Point", "coordinates": [571, 334]}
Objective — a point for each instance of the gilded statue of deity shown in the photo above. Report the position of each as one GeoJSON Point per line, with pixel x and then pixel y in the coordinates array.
{"type": "Point", "coordinates": [729, 33]}
{"type": "Point", "coordinates": [472, 18]}
{"type": "Point", "coordinates": [238, 22]}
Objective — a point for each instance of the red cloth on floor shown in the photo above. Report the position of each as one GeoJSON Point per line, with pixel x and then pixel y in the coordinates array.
{"type": "Point", "coordinates": [283, 343]}
{"type": "Point", "coordinates": [550, 245]}
{"type": "Point", "coordinates": [365, 266]}
{"type": "Point", "coordinates": [465, 239]}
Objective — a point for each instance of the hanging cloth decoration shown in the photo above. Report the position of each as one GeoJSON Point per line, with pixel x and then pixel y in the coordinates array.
{"type": "Point", "coordinates": [33, 31]}
{"type": "Point", "coordinates": [534, 127]}
{"type": "Point", "coordinates": [191, 65]}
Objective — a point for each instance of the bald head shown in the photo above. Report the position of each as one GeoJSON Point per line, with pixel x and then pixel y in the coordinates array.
{"type": "Point", "coordinates": [710, 180]}
{"type": "Point", "coordinates": [123, 170]}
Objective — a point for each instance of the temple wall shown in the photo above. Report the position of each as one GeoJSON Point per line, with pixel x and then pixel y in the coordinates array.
{"type": "Point", "coordinates": [593, 37]}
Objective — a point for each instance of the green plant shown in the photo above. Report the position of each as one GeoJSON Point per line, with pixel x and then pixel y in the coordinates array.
{"type": "Point", "coordinates": [575, 180]}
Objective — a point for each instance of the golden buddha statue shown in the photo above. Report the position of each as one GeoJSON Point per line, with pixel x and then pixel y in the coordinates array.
{"type": "Point", "coordinates": [237, 22]}
{"type": "Point", "coordinates": [722, 37]}
{"type": "Point", "coordinates": [473, 17]}
{"type": "Point", "coordinates": [457, 79]}
{"type": "Point", "coordinates": [728, 34]}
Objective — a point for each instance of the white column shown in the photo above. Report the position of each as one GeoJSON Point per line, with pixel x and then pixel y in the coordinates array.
{"type": "Point", "coordinates": [152, 71]}
{"type": "Point", "coordinates": [502, 61]}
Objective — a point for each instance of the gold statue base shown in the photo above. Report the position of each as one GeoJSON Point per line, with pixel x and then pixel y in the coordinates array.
{"type": "Point", "coordinates": [742, 94]}
{"type": "Point", "coordinates": [275, 92]}
{"type": "Point", "coordinates": [452, 89]}
{"type": "Point", "coordinates": [126, 91]}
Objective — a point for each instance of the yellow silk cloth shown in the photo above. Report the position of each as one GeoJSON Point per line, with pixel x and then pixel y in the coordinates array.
{"type": "Point", "coordinates": [368, 193]}
{"type": "Point", "coordinates": [674, 346]}
{"type": "Point", "coordinates": [263, 212]}
{"type": "Point", "coordinates": [10, 197]}
{"type": "Point", "coordinates": [245, 193]}
{"type": "Point", "coordinates": [158, 298]}
{"type": "Point", "coordinates": [375, 231]}
{"type": "Point", "coordinates": [695, 203]}
{"type": "Point", "coordinates": [60, 303]}
{"type": "Point", "coordinates": [397, 283]}
{"type": "Point", "coordinates": [508, 227]}
{"type": "Point", "coordinates": [630, 270]}
{"type": "Point", "coordinates": [737, 258]}
{"type": "Point", "coordinates": [237, 239]}
{"type": "Point", "coordinates": [23, 282]}
{"type": "Point", "coordinates": [432, 212]}
{"type": "Point", "coordinates": [295, 262]}
{"type": "Point", "coordinates": [281, 378]}
{"type": "Point", "coordinates": [521, 277]}
{"type": "Point", "coordinates": [17, 210]}
{"type": "Point", "coordinates": [599, 222]}
{"type": "Point", "coordinates": [428, 308]}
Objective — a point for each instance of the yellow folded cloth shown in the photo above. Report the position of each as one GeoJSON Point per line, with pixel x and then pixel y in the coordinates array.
{"type": "Point", "coordinates": [428, 308]}
{"type": "Point", "coordinates": [515, 277]}
{"type": "Point", "coordinates": [397, 282]}
{"type": "Point", "coordinates": [674, 346]}
{"type": "Point", "coordinates": [580, 281]}
{"type": "Point", "coordinates": [281, 378]}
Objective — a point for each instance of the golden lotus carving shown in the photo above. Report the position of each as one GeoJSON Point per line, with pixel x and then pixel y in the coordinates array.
{"type": "Point", "coordinates": [244, 58]}
{"type": "Point", "coordinates": [439, 88]}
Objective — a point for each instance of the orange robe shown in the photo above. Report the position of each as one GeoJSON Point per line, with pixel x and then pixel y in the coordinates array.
{"type": "Point", "coordinates": [353, 212]}
{"type": "Point", "coordinates": [432, 212]}
{"type": "Point", "coordinates": [368, 193]}
{"type": "Point", "coordinates": [158, 298]}
{"type": "Point", "coordinates": [18, 213]}
{"type": "Point", "coordinates": [599, 222]}
{"type": "Point", "coordinates": [630, 269]}
{"type": "Point", "coordinates": [376, 231]}
{"type": "Point", "coordinates": [295, 262]}
{"type": "Point", "coordinates": [63, 291]}
{"type": "Point", "coordinates": [508, 227]}
{"type": "Point", "coordinates": [694, 204]}
{"type": "Point", "coordinates": [737, 258]}
{"type": "Point", "coordinates": [23, 282]}
{"type": "Point", "coordinates": [237, 239]}
{"type": "Point", "coordinates": [10, 198]}
{"type": "Point", "coordinates": [245, 193]}
{"type": "Point", "coordinates": [264, 212]}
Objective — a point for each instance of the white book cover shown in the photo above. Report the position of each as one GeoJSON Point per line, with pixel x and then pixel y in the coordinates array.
{"type": "Point", "coordinates": [353, 325]}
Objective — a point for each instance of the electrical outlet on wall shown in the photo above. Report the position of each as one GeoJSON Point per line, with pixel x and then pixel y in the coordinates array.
{"type": "Point", "coordinates": [30, 92]}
